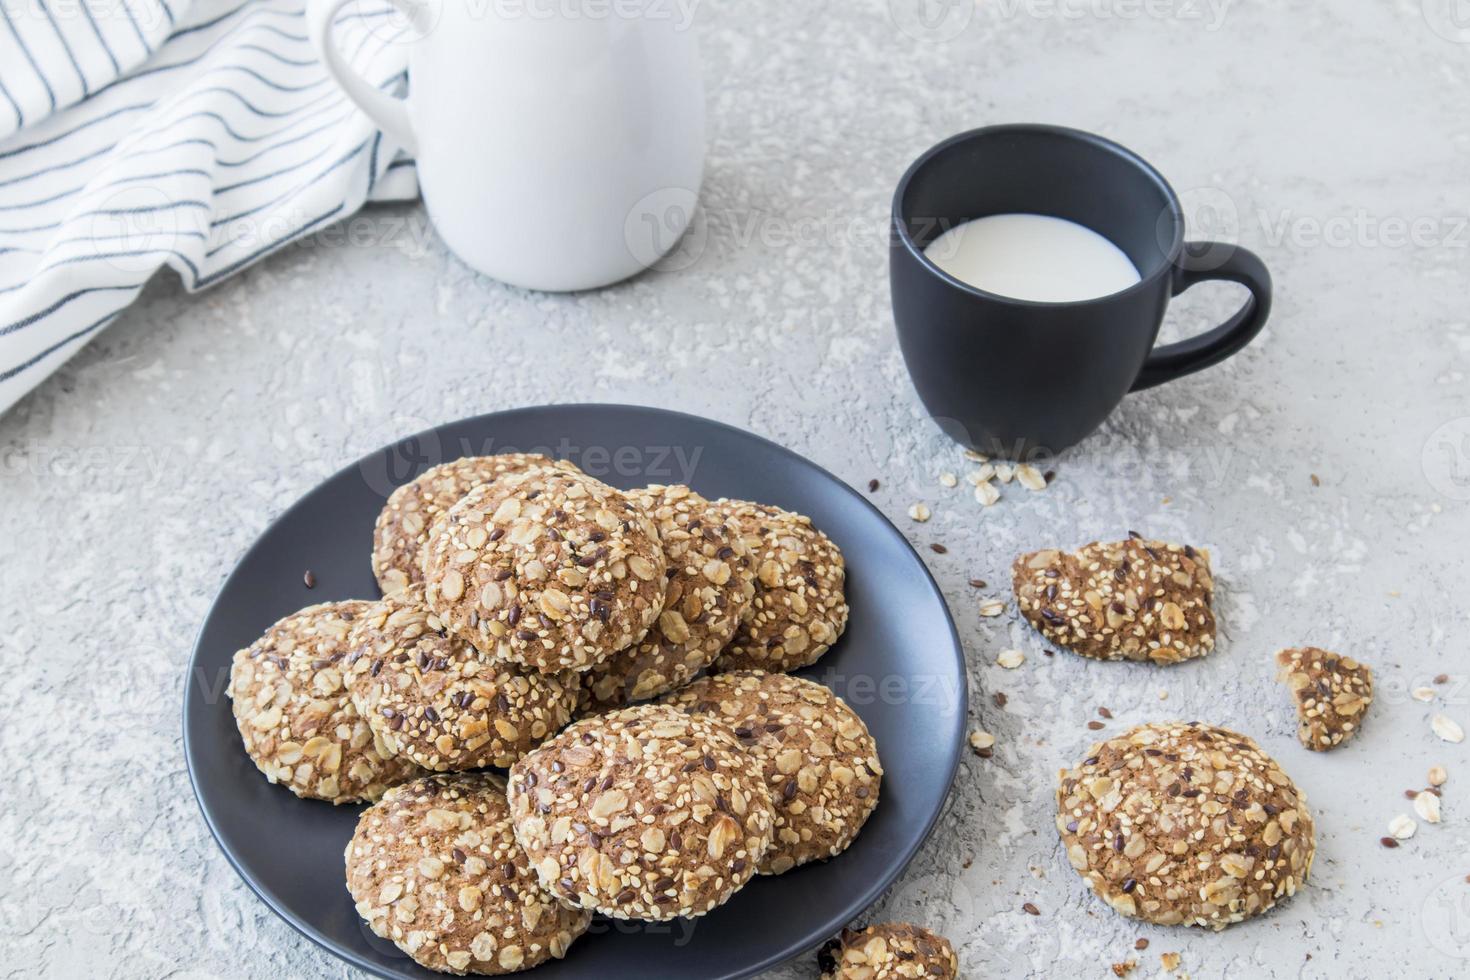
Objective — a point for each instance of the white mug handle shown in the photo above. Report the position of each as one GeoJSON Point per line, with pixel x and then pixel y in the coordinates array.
{"type": "Point", "coordinates": [389, 113]}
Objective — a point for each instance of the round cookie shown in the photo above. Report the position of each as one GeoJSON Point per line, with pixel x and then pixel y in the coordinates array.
{"type": "Point", "coordinates": [438, 701]}
{"type": "Point", "coordinates": [799, 609]}
{"type": "Point", "coordinates": [407, 519]}
{"type": "Point", "coordinates": [1185, 823]}
{"type": "Point", "coordinates": [550, 570]}
{"type": "Point", "coordinates": [641, 813]}
{"type": "Point", "coordinates": [710, 583]}
{"type": "Point", "coordinates": [295, 717]}
{"type": "Point", "coordinates": [435, 869]}
{"type": "Point", "coordinates": [889, 950]}
{"type": "Point", "coordinates": [819, 762]}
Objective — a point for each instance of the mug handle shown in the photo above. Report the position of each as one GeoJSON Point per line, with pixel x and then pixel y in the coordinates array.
{"type": "Point", "coordinates": [390, 114]}
{"type": "Point", "coordinates": [1199, 263]}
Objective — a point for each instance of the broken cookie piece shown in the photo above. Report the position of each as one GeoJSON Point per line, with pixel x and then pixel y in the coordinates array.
{"type": "Point", "coordinates": [889, 950]}
{"type": "Point", "coordinates": [1332, 693]}
{"type": "Point", "coordinates": [1124, 600]}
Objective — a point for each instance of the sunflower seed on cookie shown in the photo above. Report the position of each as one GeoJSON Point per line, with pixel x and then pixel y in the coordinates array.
{"type": "Point", "coordinates": [710, 585]}
{"type": "Point", "coordinates": [437, 700]}
{"type": "Point", "coordinates": [298, 723]}
{"type": "Point", "coordinates": [799, 609]}
{"type": "Point", "coordinates": [550, 570]}
{"type": "Point", "coordinates": [1332, 694]}
{"type": "Point", "coordinates": [819, 761]}
{"type": "Point", "coordinates": [1187, 824]}
{"type": "Point", "coordinates": [1125, 600]}
{"type": "Point", "coordinates": [888, 951]}
{"type": "Point", "coordinates": [435, 869]}
{"type": "Point", "coordinates": [642, 813]}
{"type": "Point", "coordinates": [411, 511]}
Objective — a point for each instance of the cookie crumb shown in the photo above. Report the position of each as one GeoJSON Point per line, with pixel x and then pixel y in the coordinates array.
{"type": "Point", "coordinates": [1170, 961]}
{"type": "Point", "coordinates": [1124, 968]}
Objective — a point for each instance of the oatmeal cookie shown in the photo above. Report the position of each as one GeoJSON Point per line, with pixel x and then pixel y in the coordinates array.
{"type": "Point", "coordinates": [642, 813]}
{"type": "Point", "coordinates": [295, 717]}
{"type": "Point", "coordinates": [435, 868]}
{"type": "Point", "coordinates": [1185, 823]}
{"type": "Point", "coordinates": [887, 952]}
{"type": "Point", "coordinates": [437, 700]}
{"type": "Point", "coordinates": [550, 570]}
{"type": "Point", "coordinates": [710, 584]}
{"type": "Point", "coordinates": [819, 762]}
{"type": "Point", "coordinates": [1332, 694]}
{"type": "Point", "coordinates": [799, 609]}
{"type": "Point", "coordinates": [407, 519]}
{"type": "Point", "coordinates": [1124, 600]}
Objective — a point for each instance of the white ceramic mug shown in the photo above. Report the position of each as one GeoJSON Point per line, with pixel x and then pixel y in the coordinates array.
{"type": "Point", "coordinates": [559, 143]}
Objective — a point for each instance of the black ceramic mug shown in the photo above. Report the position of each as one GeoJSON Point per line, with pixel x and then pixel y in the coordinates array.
{"type": "Point", "coordinates": [1019, 378]}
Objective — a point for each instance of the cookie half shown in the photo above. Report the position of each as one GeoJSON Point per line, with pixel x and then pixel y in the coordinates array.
{"type": "Point", "coordinates": [404, 525]}
{"type": "Point", "coordinates": [1332, 694]}
{"type": "Point", "coordinates": [437, 700]}
{"type": "Point", "coordinates": [550, 570]}
{"type": "Point", "coordinates": [1185, 824]}
{"type": "Point", "coordinates": [642, 813]}
{"type": "Point", "coordinates": [435, 868]}
{"type": "Point", "coordinates": [819, 762]}
{"type": "Point", "coordinates": [709, 587]}
{"type": "Point", "coordinates": [1122, 600]}
{"type": "Point", "coordinates": [799, 609]}
{"type": "Point", "coordinates": [294, 714]}
{"type": "Point", "coordinates": [890, 950]}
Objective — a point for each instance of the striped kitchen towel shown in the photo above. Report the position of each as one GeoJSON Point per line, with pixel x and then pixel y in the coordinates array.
{"type": "Point", "coordinates": [194, 134]}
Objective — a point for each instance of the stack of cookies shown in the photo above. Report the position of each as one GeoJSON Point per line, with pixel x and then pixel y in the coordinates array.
{"type": "Point", "coordinates": [519, 595]}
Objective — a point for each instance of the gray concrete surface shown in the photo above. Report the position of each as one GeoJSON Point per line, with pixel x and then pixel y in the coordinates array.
{"type": "Point", "coordinates": [1331, 138]}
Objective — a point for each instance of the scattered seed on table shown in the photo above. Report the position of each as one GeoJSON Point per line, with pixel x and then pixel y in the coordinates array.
{"type": "Point", "coordinates": [1049, 476]}
{"type": "Point", "coordinates": [948, 480]}
{"type": "Point", "coordinates": [919, 512]}
{"type": "Point", "coordinates": [982, 742]}
{"type": "Point", "coordinates": [975, 457]}
{"type": "Point", "coordinates": [1030, 909]}
{"type": "Point", "coordinates": [987, 494]}
{"type": "Point", "coordinates": [977, 583]}
{"type": "Point", "coordinates": [872, 486]}
{"type": "Point", "coordinates": [1141, 944]}
{"type": "Point", "coordinates": [938, 548]}
{"type": "Point", "coordinates": [992, 607]}
{"type": "Point", "coordinates": [1096, 726]}
{"type": "Point", "coordinates": [1442, 679]}
{"type": "Point", "coordinates": [1011, 659]}
{"type": "Point", "coordinates": [1105, 713]}
{"type": "Point", "coordinates": [1030, 477]}
{"type": "Point", "coordinates": [1437, 776]}
{"type": "Point", "coordinates": [1004, 472]}
{"type": "Point", "coordinates": [1447, 729]}
{"type": "Point", "coordinates": [1316, 481]}
{"type": "Point", "coordinates": [1402, 826]}
{"type": "Point", "coordinates": [1426, 804]}
{"type": "Point", "coordinates": [309, 579]}
{"type": "Point", "coordinates": [999, 697]}
{"type": "Point", "coordinates": [1388, 842]}
{"type": "Point", "coordinates": [1423, 693]}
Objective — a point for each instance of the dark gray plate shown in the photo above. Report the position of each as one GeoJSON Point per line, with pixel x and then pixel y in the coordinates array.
{"type": "Point", "coordinates": [900, 666]}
